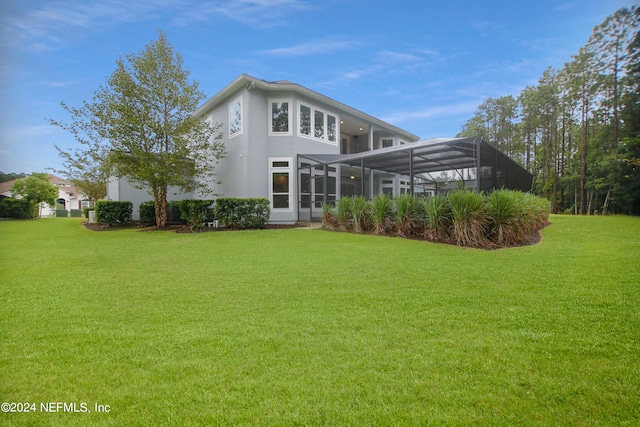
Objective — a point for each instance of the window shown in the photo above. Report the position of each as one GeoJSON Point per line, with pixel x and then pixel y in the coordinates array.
{"type": "Point", "coordinates": [280, 184]}
{"type": "Point", "coordinates": [331, 128]}
{"type": "Point", "coordinates": [280, 117]}
{"type": "Point", "coordinates": [305, 120]}
{"type": "Point", "coordinates": [318, 120]}
{"type": "Point", "coordinates": [386, 142]}
{"type": "Point", "coordinates": [324, 125]}
{"type": "Point", "coordinates": [235, 117]}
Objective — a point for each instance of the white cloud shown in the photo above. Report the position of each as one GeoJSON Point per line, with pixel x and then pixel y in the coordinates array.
{"type": "Point", "coordinates": [316, 47]}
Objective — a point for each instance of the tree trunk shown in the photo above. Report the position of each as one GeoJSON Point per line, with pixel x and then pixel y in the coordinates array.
{"type": "Point", "coordinates": [605, 206]}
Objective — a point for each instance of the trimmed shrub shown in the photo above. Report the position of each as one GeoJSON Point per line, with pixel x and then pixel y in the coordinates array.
{"type": "Point", "coordinates": [381, 214]}
{"type": "Point", "coordinates": [242, 213]}
{"type": "Point", "coordinates": [147, 213]}
{"type": "Point", "coordinates": [195, 212]}
{"type": "Point", "coordinates": [15, 208]}
{"type": "Point", "coordinates": [113, 213]}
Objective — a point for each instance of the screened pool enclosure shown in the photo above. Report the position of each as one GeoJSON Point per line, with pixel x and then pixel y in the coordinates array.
{"type": "Point", "coordinates": [421, 168]}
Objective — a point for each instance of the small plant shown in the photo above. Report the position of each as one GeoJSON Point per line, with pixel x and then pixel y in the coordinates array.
{"type": "Point", "coordinates": [381, 214]}
{"type": "Point", "coordinates": [505, 224]}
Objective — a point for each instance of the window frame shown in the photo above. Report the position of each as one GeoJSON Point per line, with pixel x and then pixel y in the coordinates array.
{"type": "Point", "coordinates": [289, 116]}
{"type": "Point", "coordinates": [281, 169]}
{"type": "Point", "coordinates": [324, 126]}
{"type": "Point", "coordinates": [232, 104]}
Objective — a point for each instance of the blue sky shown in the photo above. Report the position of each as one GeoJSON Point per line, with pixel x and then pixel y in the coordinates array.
{"type": "Point", "coordinates": [421, 65]}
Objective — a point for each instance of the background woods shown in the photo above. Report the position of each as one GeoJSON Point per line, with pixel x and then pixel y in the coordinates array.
{"type": "Point", "coordinates": [578, 129]}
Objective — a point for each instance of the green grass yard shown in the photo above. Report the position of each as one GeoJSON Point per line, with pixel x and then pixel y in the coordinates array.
{"type": "Point", "coordinates": [308, 327]}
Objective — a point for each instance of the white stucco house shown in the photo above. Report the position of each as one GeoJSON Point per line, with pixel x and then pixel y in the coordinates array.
{"type": "Point", "coordinates": [299, 149]}
{"type": "Point", "coordinates": [70, 198]}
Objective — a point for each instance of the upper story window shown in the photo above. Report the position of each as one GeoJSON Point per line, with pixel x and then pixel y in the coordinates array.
{"type": "Point", "coordinates": [235, 117]}
{"type": "Point", "coordinates": [386, 142]}
{"type": "Point", "coordinates": [318, 124]}
{"type": "Point", "coordinates": [280, 122]}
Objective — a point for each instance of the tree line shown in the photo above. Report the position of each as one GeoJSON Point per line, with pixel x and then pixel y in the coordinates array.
{"type": "Point", "coordinates": [578, 130]}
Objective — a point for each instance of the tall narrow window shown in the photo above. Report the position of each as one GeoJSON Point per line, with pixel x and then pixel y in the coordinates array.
{"type": "Point", "coordinates": [318, 118]}
{"type": "Point", "coordinates": [235, 117]}
{"type": "Point", "coordinates": [331, 128]}
{"type": "Point", "coordinates": [280, 117]}
{"type": "Point", "coordinates": [305, 120]}
{"type": "Point", "coordinates": [280, 184]}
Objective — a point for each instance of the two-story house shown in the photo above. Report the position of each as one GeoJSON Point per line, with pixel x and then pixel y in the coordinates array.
{"type": "Point", "coordinates": [299, 149]}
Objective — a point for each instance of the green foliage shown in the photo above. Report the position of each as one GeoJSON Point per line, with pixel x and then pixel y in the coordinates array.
{"type": "Point", "coordinates": [85, 211]}
{"type": "Point", "coordinates": [344, 216]}
{"type": "Point", "coordinates": [113, 213]}
{"type": "Point", "coordinates": [147, 212]}
{"type": "Point", "coordinates": [409, 215]}
{"type": "Point", "coordinates": [16, 208]}
{"type": "Point", "coordinates": [470, 217]}
{"type": "Point", "coordinates": [381, 214]}
{"type": "Point", "coordinates": [196, 212]}
{"type": "Point", "coordinates": [328, 216]}
{"type": "Point", "coordinates": [463, 217]}
{"type": "Point", "coordinates": [141, 125]}
{"type": "Point", "coordinates": [242, 213]}
{"type": "Point", "coordinates": [360, 214]}
{"type": "Point", "coordinates": [37, 189]}
{"type": "Point", "coordinates": [439, 215]}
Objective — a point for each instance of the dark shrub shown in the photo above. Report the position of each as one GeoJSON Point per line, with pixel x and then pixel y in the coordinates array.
{"type": "Point", "coordinates": [242, 213]}
{"type": "Point", "coordinates": [195, 212]}
{"type": "Point", "coordinates": [147, 213]}
{"type": "Point", "coordinates": [113, 213]}
{"type": "Point", "coordinates": [15, 208]}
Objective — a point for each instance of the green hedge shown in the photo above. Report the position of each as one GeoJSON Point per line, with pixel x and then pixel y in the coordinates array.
{"type": "Point", "coordinates": [242, 213]}
{"type": "Point", "coordinates": [113, 213]}
{"type": "Point", "coordinates": [15, 208]}
{"type": "Point", "coordinates": [85, 211]}
{"type": "Point", "coordinates": [196, 212]}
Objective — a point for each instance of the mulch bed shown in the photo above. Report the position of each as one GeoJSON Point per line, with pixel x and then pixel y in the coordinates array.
{"type": "Point", "coordinates": [179, 228]}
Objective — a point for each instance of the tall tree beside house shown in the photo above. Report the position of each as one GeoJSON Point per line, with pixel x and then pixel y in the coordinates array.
{"type": "Point", "coordinates": [141, 125]}
{"type": "Point", "coordinates": [36, 188]}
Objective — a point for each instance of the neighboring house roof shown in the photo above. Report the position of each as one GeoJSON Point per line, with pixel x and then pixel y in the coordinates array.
{"type": "Point", "coordinates": [249, 82]}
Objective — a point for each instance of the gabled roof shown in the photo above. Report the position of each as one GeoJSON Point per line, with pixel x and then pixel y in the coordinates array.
{"type": "Point", "coordinates": [61, 183]}
{"type": "Point", "coordinates": [250, 83]}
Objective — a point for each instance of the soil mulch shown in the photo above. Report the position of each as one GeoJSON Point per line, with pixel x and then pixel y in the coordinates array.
{"type": "Point", "coordinates": [179, 228]}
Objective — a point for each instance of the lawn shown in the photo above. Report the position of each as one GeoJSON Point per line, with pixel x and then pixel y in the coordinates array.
{"type": "Point", "coordinates": [308, 327]}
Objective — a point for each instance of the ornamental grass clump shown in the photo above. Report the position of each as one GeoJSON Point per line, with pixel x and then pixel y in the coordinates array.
{"type": "Point", "coordinates": [408, 215]}
{"type": "Point", "coordinates": [506, 225]}
{"type": "Point", "coordinates": [470, 218]}
{"type": "Point", "coordinates": [328, 216]}
{"type": "Point", "coordinates": [360, 214]}
{"type": "Point", "coordinates": [382, 214]}
{"type": "Point", "coordinates": [438, 213]}
{"type": "Point", "coordinates": [343, 213]}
